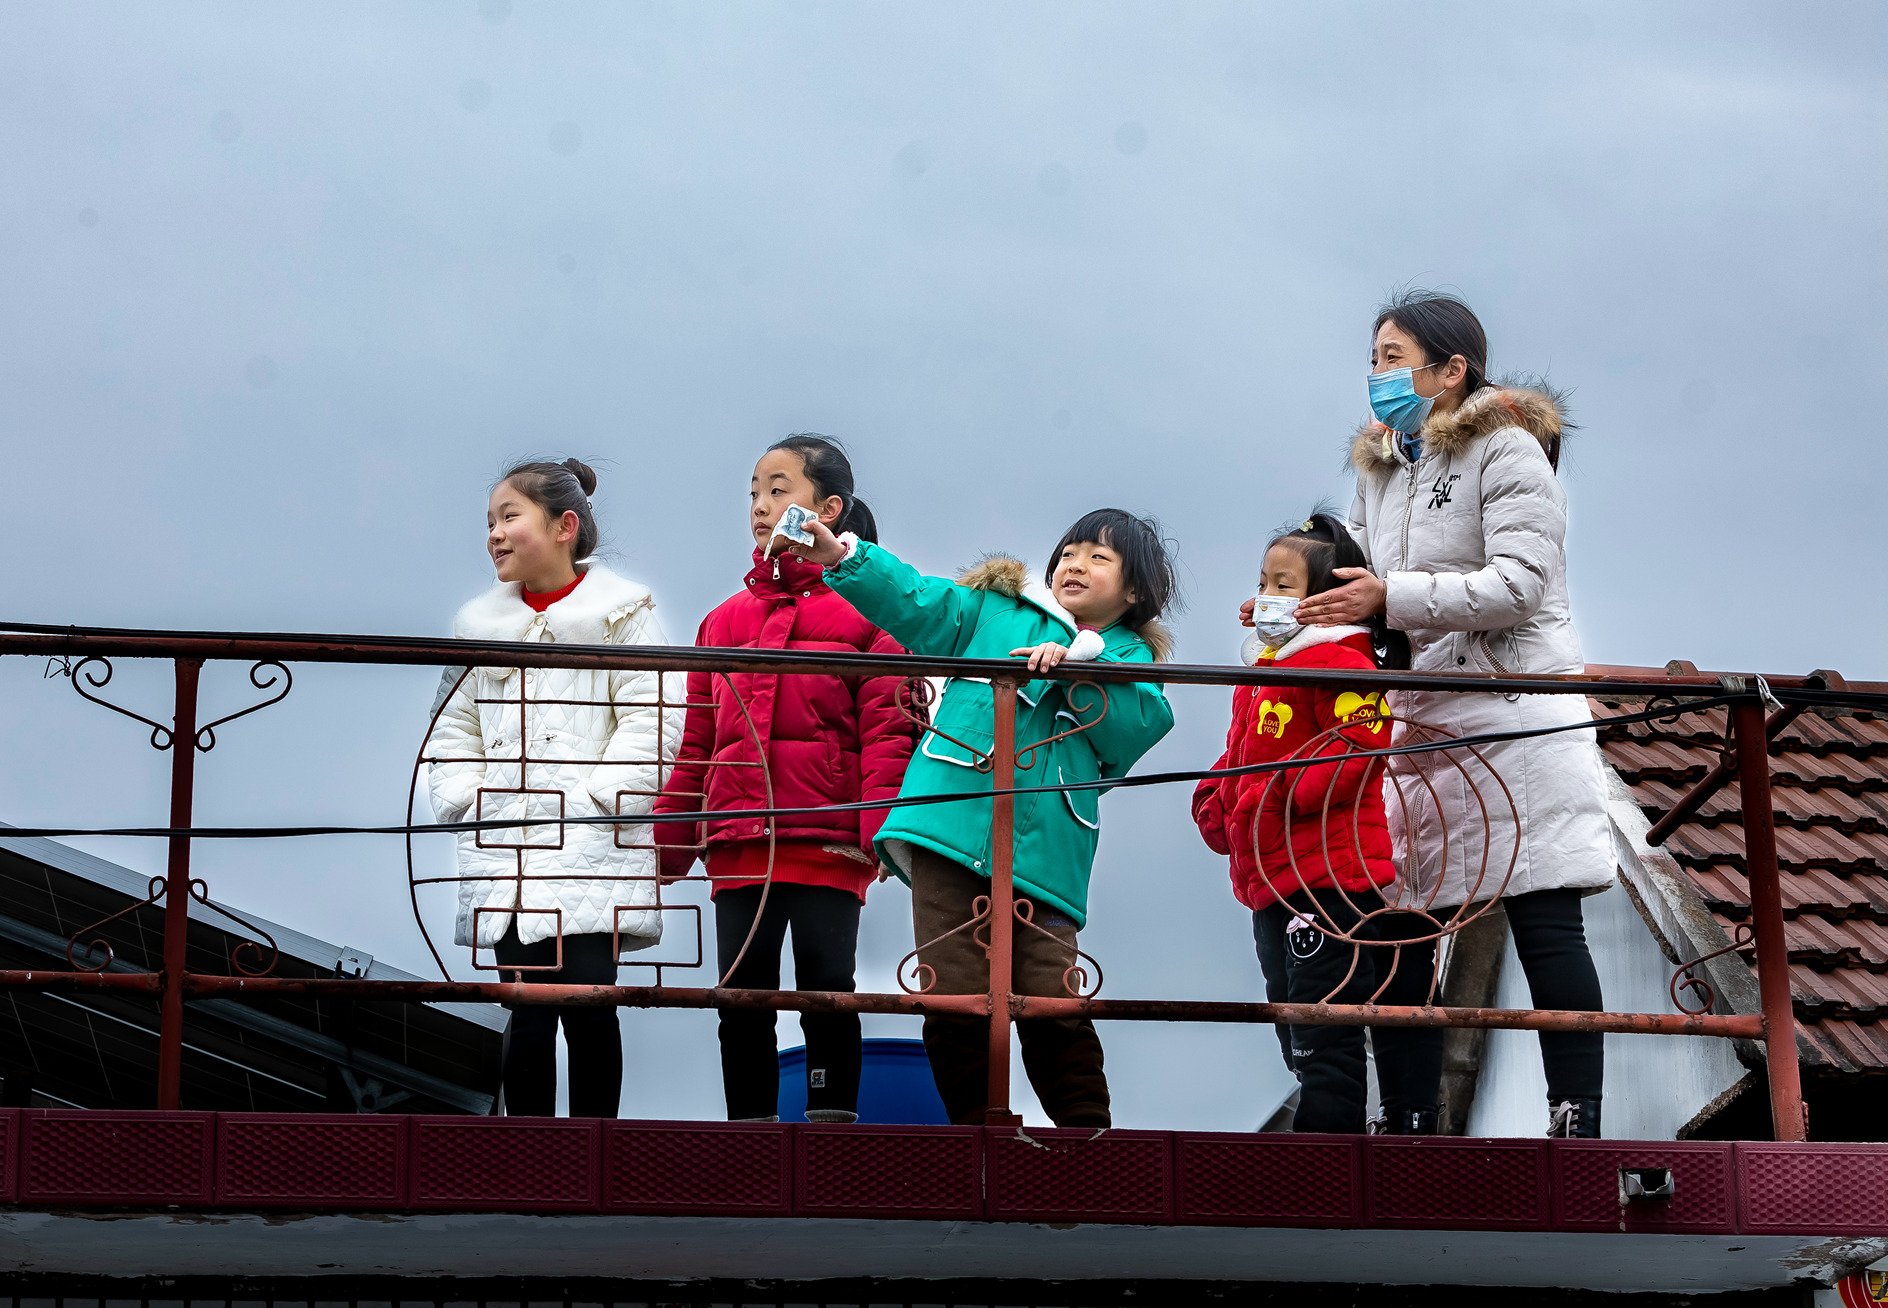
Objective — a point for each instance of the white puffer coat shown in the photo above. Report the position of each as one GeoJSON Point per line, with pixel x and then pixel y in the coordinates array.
{"type": "Point", "coordinates": [580, 756]}
{"type": "Point", "coordinates": [1470, 542]}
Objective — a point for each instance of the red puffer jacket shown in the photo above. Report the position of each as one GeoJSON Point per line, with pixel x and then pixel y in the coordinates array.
{"type": "Point", "coordinates": [829, 740]}
{"type": "Point", "coordinates": [1334, 817]}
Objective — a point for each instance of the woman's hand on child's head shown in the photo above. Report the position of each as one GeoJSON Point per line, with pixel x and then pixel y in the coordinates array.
{"type": "Point", "coordinates": [1359, 599]}
{"type": "Point", "coordinates": [1245, 612]}
{"type": "Point", "coordinates": [825, 549]}
{"type": "Point", "coordinates": [1042, 657]}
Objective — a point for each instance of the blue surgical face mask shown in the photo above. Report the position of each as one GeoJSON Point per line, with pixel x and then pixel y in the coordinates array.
{"type": "Point", "coordinates": [1394, 400]}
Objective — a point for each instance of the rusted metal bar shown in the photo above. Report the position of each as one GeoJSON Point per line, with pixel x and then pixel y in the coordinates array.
{"type": "Point", "coordinates": [148, 983]}
{"type": "Point", "coordinates": [1787, 1119]}
{"type": "Point", "coordinates": [35, 639]}
{"type": "Point", "coordinates": [511, 992]}
{"type": "Point", "coordinates": [1716, 779]}
{"type": "Point", "coordinates": [183, 775]}
{"type": "Point", "coordinates": [1002, 897]}
{"type": "Point", "coordinates": [1745, 1026]}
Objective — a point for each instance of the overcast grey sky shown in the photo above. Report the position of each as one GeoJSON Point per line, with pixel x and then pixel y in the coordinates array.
{"type": "Point", "coordinates": [286, 285]}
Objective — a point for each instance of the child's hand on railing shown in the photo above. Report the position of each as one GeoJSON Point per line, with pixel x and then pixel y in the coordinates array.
{"type": "Point", "coordinates": [825, 550]}
{"type": "Point", "coordinates": [1042, 657]}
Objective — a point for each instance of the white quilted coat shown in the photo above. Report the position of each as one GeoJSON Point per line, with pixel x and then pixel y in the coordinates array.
{"type": "Point", "coordinates": [1470, 542]}
{"type": "Point", "coordinates": [591, 752]}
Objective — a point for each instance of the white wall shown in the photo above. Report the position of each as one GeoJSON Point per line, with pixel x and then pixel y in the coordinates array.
{"type": "Point", "coordinates": [1654, 1084]}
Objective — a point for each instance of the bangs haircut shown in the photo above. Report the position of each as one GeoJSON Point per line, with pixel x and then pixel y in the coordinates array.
{"type": "Point", "coordinates": [1146, 567]}
{"type": "Point", "coordinates": [1325, 546]}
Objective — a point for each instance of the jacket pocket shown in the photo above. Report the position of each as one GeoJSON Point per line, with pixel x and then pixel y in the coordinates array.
{"type": "Point", "coordinates": [1084, 805]}
{"type": "Point", "coordinates": [1496, 650]}
{"type": "Point", "coordinates": [963, 730]}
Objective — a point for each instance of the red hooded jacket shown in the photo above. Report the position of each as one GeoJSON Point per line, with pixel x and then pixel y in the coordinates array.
{"type": "Point", "coordinates": [1334, 816]}
{"type": "Point", "coordinates": [829, 740]}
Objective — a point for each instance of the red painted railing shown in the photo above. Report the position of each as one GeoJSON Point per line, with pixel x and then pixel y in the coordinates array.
{"type": "Point", "coordinates": [1665, 694]}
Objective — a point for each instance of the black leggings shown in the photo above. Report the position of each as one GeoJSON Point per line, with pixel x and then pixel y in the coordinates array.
{"type": "Point", "coordinates": [1315, 968]}
{"type": "Point", "coordinates": [825, 923]}
{"type": "Point", "coordinates": [593, 1038]}
{"type": "Point", "coordinates": [1550, 940]}
{"type": "Point", "coordinates": [1268, 934]}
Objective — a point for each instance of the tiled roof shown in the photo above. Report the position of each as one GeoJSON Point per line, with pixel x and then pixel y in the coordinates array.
{"type": "Point", "coordinates": [1829, 791]}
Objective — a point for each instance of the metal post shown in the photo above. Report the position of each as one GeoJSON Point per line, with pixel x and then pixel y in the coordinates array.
{"type": "Point", "coordinates": [1766, 914]}
{"type": "Point", "coordinates": [1002, 850]}
{"type": "Point", "coordinates": [183, 773]}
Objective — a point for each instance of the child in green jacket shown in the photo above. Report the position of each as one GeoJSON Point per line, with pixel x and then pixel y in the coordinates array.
{"type": "Point", "coordinates": [1101, 598]}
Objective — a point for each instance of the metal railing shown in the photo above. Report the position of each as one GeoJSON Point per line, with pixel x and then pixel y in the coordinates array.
{"type": "Point", "coordinates": [85, 654]}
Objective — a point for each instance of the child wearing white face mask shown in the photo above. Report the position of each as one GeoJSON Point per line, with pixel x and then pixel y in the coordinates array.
{"type": "Point", "coordinates": [1309, 845]}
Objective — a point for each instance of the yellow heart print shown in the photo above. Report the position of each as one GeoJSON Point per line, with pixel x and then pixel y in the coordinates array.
{"type": "Point", "coordinates": [1351, 706]}
{"type": "Point", "coordinates": [1272, 718]}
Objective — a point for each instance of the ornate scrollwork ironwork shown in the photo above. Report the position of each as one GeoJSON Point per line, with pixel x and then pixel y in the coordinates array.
{"type": "Point", "coordinates": [162, 738]}
{"type": "Point", "coordinates": [1025, 757]}
{"type": "Point", "coordinates": [200, 892]}
{"type": "Point", "coordinates": [97, 943]}
{"type": "Point", "coordinates": [206, 735]}
{"type": "Point", "coordinates": [1742, 937]}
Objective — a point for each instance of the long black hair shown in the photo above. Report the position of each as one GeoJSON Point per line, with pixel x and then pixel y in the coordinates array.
{"type": "Point", "coordinates": [560, 488]}
{"type": "Point", "coordinates": [1442, 326]}
{"type": "Point", "coordinates": [824, 461]}
{"type": "Point", "coordinates": [1326, 545]}
{"type": "Point", "coordinates": [1146, 567]}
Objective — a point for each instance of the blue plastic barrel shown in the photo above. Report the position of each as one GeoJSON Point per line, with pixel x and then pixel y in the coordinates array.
{"type": "Point", "coordinates": [895, 1084]}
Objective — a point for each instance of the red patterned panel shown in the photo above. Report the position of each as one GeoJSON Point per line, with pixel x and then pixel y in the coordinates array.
{"type": "Point", "coordinates": [1079, 1176]}
{"type": "Point", "coordinates": [503, 1164]}
{"type": "Point", "coordinates": [1440, 1183]}
{"type": "Point", "coordinates": [330, 1160]}
{"type": "Point", "coordinates": [1268, 1180]}
{"type": "Point", "coordinates": [116, 1157]}
{"type": "Point", "coordinates": [933, 1172]}
{"type": "Point", "coordinates": [1587, 1196]}
{"type": "Point", "coordinates": [9, 1154]}
{"type": "Point", "coordinates": [698, 1167]}
{"type": "Point", "coordinates": [1812, 1189]}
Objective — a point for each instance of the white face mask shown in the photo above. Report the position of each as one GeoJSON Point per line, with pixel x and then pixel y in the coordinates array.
{"type": "Point", "coordinates": [1274, 617]}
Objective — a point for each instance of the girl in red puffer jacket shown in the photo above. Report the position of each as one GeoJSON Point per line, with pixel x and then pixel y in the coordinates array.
{"type": "Point", "coordinates": [1310, 845]}
{"type": "Point", "coordinates": [828, 740]}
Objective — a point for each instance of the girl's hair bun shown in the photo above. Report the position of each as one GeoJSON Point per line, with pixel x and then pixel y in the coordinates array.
{"type": "Point", "coordinates": [586, 478]}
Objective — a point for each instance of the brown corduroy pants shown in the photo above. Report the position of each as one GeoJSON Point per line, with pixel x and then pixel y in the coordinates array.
{"type": "Point", "coordinates": [1062, 1056]}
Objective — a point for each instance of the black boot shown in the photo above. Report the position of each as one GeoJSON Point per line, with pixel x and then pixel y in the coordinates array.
{"type": "Point", "coordinates": [1573, 1119]}
{"type": "Point", "coordinates": [1405, 1121]}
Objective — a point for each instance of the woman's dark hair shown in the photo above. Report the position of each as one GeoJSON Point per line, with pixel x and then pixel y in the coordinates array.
{"type": "Point", "coordinates": [560, 488]}
{"type": "Point", "coordinates": [825, 463]}
{"type": "Point", "coordinates": [1145, 565]}
{"type": "Point", "coordinates": [1326, 545]}
{"type": "Point", "coordinates": [1441, 326]}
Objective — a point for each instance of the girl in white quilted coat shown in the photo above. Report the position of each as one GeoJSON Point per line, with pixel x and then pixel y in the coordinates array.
{"type": "Point", "coordinates": [558, 910]}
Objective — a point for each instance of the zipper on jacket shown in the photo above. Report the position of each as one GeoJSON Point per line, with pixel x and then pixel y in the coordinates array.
{"type": "Point", "coordinates": [776, 567]}
{"type": "Point", "coordinates": [1480, 641]}
{"type": "Point", "coordinates": [1409, 507]}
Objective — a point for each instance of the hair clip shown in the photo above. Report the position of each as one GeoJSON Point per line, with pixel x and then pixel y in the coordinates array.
{"type": "Point", "coordinates": [1309, 525]}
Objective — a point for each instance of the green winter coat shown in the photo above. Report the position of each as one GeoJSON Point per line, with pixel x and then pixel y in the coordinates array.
{"type": "Point", "coordinates": [993, 609]}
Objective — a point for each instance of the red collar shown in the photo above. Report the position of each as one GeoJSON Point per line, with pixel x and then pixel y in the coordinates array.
{"type": "Point", "coordinates": [784, 575]}
{"type": "Point", "coordinates": [549, 597]}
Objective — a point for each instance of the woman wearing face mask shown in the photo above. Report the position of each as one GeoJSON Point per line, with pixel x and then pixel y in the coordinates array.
{"type": "Point", "coordinates": [1463, 523]}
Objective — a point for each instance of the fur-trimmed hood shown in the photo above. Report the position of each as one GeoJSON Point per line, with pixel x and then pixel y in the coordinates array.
{"type": "Point", "coordinates": [1010, 576]}
{"type": "Point", "coordinates": [583, 617]}
{"type": "Point", "coordinates": [1537, 409]}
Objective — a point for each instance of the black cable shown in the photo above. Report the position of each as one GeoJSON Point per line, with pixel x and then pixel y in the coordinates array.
{"type": "Point", "coordinates": [1663, 713]}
